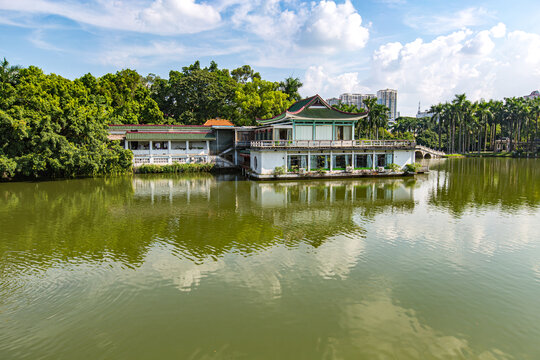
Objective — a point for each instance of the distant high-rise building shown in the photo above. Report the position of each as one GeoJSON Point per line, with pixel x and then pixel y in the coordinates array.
{"type": "Point", "coordinates": [332, 101]}
{"type": "Point", "coordinates": [355, 99]}
{"type": "Point", "coordinates": [388, 98]}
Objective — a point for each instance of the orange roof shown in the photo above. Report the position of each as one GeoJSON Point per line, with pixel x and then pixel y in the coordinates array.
{"type": "Point", "coordinates": [116, 136]}
{"type": "Point", "coordinates": [218, 122]}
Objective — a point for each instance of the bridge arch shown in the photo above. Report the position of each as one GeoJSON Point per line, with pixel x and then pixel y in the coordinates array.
{"type": "Point", "coordinates": [418, 154]}
{"type": "Point", "coordinates": [427, 156]}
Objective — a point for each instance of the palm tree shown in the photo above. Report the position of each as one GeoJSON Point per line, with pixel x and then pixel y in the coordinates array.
{"type": "Point", "coordinates": [459, 108]}
{"type": "Point", "coordinates": [371, 108]}
{"type": "Point", "coordinates": [290, 87]}
{"type": "Point", "coordinates": [437, 110]}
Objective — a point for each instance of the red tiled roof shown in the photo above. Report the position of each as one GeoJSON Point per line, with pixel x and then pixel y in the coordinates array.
{"type": "Point", "coordinates": [218, 122]}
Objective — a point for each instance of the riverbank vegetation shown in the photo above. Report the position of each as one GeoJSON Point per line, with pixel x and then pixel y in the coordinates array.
{"type": "Point", "coordinates": [175, 168]}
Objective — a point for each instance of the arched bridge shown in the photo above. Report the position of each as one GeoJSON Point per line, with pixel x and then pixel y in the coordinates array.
{"type": "Point", "coordinates": [423, 152]}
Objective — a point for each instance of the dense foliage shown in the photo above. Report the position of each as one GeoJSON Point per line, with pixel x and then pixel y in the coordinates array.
{"type": "Point", "coordinates": [54, 127]}
{"type": "Point", "coordinates": [196, 94]}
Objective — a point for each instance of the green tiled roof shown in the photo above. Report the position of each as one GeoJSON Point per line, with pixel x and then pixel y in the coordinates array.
{"type": "Point", "coordinates": [299, 104]}
{"type": "Point", "coordinates": [162, 136]}
{"type": "Point", "coordinates": [323, 111]}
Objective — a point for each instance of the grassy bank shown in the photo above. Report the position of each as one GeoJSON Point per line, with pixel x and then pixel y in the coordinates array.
{"type": "Point", "coordinates": [490, 154]}
{"type": "Point", "coordinates": [173, 168]}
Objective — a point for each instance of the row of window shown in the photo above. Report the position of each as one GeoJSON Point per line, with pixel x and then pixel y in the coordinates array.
{"type": "Point", "coordinates": [305, 132]}
{"type": "Point", "coordinates": [163, 145]}
{"type": "Point", "coordinates": [339, 161]}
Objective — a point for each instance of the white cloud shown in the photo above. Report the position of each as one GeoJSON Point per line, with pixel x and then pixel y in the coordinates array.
{"type": "Point", "coordinates": [164, 17]}
{"type": "Point", "coordinates": [159, 51]}
{"type": "Point", "coordinates": [320, 26]}
{"type": "Point", "coordinates": [483, 64]}
{"type": "Point", "coordinates": [318, 80]}
{"type": "Point", "coordinates": [498, 31]}
{"type": "Point", "coordinates": [440, 24]}
{"type": "Point", "coordinates": [330, 25]}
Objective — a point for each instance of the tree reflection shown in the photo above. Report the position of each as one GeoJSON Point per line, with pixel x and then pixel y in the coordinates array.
{"type": "Point", "coordinates": [200, 216]}
{"type": "Point", "coordinates": [477, 183]}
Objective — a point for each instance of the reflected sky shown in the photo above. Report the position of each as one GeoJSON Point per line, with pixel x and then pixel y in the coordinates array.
{"type": "Point", "coordinates": [208, 267]}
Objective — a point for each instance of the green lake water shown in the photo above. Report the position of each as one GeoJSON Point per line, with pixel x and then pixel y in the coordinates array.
{"type": "Point", "coordinates": [440, 266]}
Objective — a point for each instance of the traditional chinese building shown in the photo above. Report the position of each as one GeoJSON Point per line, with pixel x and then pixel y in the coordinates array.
{"type": "Point", "coordinates": [313, 137]}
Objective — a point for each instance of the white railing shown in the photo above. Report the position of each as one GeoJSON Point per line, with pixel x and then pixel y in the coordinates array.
{"type": "Point", "coordinates": [187, 159]}
{"type": "Point", "coordinates": [430, 150]}
{"type": "Point", "coordinates": [332, 143]}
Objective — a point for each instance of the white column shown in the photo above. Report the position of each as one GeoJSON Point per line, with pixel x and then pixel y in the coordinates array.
{"type": "Point", "coordinates": [331, 160]}
{"type": "Point", "coordinates": [126, 144]}
{"type": "Point", "coordinates": [352, 160]}
{"type": "Point", "coordinates": [150, 152]}
{"type": "Point", "coordinates": [374, 161]}
{"type": "Point", "coordinates": [308, 161]}
{"type": "Point", "coordinates": [169, 152]}
{"type": "Point", "coordinates": [207, 151]}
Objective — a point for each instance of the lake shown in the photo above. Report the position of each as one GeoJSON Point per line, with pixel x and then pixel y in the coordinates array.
{"type": "Point", "coordinates": [438, 266]}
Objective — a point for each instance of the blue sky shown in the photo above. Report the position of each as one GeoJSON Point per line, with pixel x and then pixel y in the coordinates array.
{"type": "Point", "coordinates": [427, 50]}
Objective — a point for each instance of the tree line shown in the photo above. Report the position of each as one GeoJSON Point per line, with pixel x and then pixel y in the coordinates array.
{"type": "Point", "coordinates": [51, 126]}
{"type": "Point", "coordinates": [463, 126]}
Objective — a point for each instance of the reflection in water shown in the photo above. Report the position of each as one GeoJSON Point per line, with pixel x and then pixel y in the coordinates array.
{"type": "Point", "coordinates": [441, 266]}
{"type": "Point", "coordinates": [509, 183]}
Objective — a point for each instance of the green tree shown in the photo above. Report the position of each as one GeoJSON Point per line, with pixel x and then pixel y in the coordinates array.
{"type": "Point", "coordinates": [290, 86]}
{"type": "Point", "coordinates": [54, 127]}
{"type": "Point", "coordinates": [259, 99]}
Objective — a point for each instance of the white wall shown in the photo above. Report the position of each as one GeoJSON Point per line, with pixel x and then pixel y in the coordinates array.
{"type": "Point", "coordinates": [403, 157]}
{"type": "Point", "coordinates": [267, 161]}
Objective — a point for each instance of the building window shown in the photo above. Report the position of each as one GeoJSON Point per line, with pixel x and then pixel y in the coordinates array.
{"type": "Point", "coordinates": [160, 145]}
{"type": "Point", "coordinates": [341, 161]}
{"type": "Point", "coordinates": [381, 160]}
{"type": "Point", "coordinates": [321, 161]}
{"type": "Point", "coordinates": [363, 161]}
{"type": "Point", "coordinates": [197, 145]}
{"type": "Point", "coordinates": [296, 162]}
{"type": "Point", "coordinates": [343, 132]}
{"type": "Point", "coordinates": [178, 145]}
{"type": "Point", "coordinates": [284, 134]}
